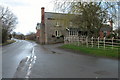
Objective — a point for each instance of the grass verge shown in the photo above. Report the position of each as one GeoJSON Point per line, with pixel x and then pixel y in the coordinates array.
{"type": "Point", "coordinates": [113, 53]}
{"type": "Point", "coordinates": [8, 42]}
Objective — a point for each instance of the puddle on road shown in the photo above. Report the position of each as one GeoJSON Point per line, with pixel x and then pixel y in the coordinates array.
{"type": "Point", "coordinates": [25, 66]}
{"type": "Point", "coordinates": [54, 52]}
{"type": "Point", "coordinates": [49, 51]}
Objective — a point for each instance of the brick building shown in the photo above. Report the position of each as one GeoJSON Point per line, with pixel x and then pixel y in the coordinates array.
{"type": "Point", "coordinates": [55, 26]}
{"type": "Point", "coordinates": [52, 28]}
{"type": "Point", "coordinates": [106, 30]}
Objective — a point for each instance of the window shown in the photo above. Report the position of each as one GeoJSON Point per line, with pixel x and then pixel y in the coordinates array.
{"type": "Point", "coordinates": [37, 37]}
{"type": "Point", "coordinates": [57, 33]}
{"type": "Point", "coordinates": [38, 26]}
{"type": "Point", "coordinates": [57, 24]}
{"type": "Point", "coordinates": [73, 32]}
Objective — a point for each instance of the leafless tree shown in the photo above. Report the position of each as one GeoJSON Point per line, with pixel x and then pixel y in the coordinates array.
{"type": "Point", "coordinates": [8, 22]}
{"type": "Point", "coordinates": [8, 19]}
{"type": "Point", "coordinates": [68, 6]}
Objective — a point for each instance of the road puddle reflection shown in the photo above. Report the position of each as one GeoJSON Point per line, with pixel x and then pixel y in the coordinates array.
{"type": "Point", "coordinates": [25, 66]}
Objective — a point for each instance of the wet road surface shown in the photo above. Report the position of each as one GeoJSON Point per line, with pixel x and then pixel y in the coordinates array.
{"type": "Point", "coordinates": [12, 55]}
{"type": "Point", "coordinates": [50, 62]}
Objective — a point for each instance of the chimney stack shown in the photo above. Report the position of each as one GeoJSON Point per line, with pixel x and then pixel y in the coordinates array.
{"type": "Point", "coordinates": [42, 15]}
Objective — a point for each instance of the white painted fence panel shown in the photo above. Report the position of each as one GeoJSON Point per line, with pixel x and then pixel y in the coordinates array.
{"type": "Point", "coordinates": [99, 42]}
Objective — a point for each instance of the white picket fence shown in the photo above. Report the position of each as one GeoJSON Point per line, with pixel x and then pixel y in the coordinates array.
{"type": "Point", "coordinates": [93, 42]}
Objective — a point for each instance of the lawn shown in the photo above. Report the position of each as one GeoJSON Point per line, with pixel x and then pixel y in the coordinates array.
{"type": "Point", "coordinates": [113, 53]}
{"type": "Point", "coordinates": [8, 42]}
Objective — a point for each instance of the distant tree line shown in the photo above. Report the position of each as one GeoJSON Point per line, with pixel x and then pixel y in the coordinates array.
{"type": "Point", "coordinates": [18, 35]}
{"type": "Point", "coordinates": [31, 36]}
{"type": "Point", "coordinates": [8, 22]}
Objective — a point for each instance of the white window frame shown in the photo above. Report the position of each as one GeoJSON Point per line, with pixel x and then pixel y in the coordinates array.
{"type": "Point", "coordinates": [57, 33]}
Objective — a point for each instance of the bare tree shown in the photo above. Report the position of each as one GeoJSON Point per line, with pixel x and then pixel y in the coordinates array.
{"type": "Point", "coordinates": [69, 6]}
{"type": "Point", "coordinates": [8, 19]}
{"type": "Point", "coordinates": [8, 22]}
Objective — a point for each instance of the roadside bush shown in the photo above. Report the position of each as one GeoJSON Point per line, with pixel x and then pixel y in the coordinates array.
{"type": "Point", "coordinates": [4, 35]}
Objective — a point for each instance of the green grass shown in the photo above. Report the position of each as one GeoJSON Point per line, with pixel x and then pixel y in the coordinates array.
{"type": "Point", "coordinates": [113, 53]}
{"type": "Point", "coordinates": [8, 42]}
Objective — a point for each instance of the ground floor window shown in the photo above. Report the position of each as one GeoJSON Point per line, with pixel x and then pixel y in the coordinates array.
{"type": "Point", "coordinates": [73, 32]}
{"type": "Point", "coordinates": [37, 37]}
{"type": "Point", "coordinates": [57, 33]}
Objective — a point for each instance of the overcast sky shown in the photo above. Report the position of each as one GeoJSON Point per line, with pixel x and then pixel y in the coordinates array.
{"type": "Point", "coordinates": [28, 12]}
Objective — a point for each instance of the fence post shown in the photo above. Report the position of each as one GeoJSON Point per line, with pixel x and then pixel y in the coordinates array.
{"type": "Point", "coordinates": [74, 40]}
{"type": "Point", "coordinates": [78, 40]}
{"type": "Point", "coordinates": [98, 42]}
{"type": "Point", "coordinates": [72, 37]}
{"type": "Point", "coordinates": [104, 42]}
{"type": "Point", "coordinates": [69, 40]}
{"type": "Point", "coordinates": [92, 42]}
{"type": "Point", "coordinates": [87, 41]}
{"type": "Point", "coordinates": [64, 41]}
{"type": "Point", "coordinates": [68, 37]}
{"type": "Point", "coordinates": [81, 40]}
{"type": "Point", "coordinates": [112, 42]}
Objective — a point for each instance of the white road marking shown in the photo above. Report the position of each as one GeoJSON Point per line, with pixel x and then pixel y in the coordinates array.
{"type": "Point", "coordinates": [32, 59]}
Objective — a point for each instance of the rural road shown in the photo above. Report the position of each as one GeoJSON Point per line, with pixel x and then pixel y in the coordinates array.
{"type": "Point", "coordinates": [26, 59]}
{"type": "Point", "coordinates": [12, 55]}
